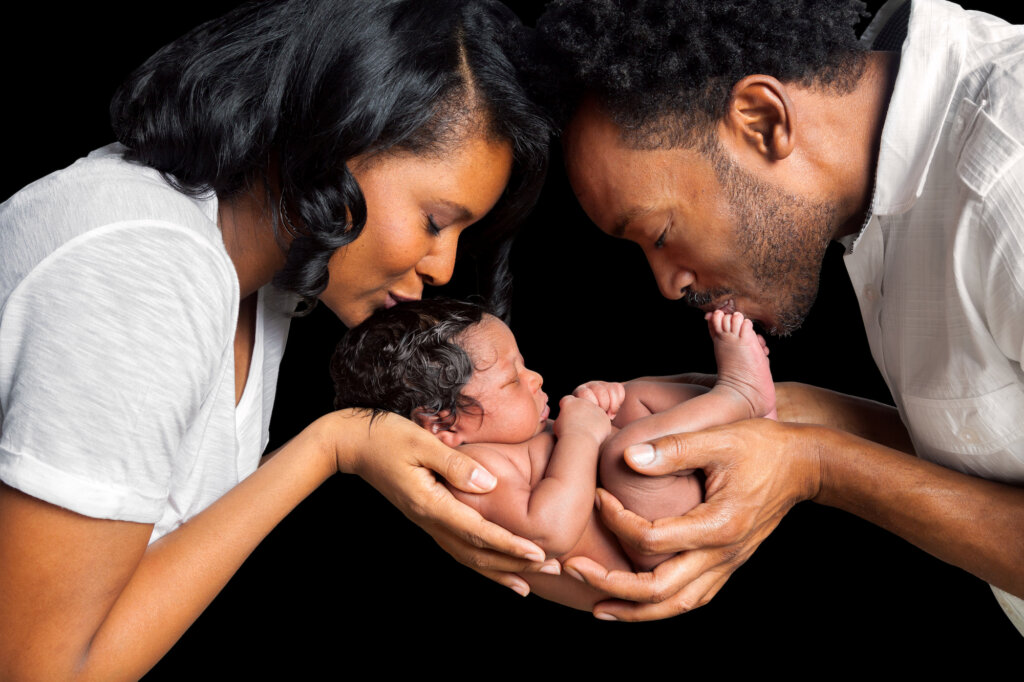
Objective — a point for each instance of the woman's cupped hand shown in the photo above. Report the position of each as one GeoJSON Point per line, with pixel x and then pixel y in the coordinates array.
{"type": "Point", "coordinates": [403, 462]}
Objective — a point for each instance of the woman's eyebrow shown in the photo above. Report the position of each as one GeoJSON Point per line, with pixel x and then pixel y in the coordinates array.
{"type": "Point", "coordinates": [459, 212]}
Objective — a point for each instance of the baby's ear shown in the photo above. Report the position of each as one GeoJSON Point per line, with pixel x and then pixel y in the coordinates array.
{"type": "Point", "coordinates": [437, 425]}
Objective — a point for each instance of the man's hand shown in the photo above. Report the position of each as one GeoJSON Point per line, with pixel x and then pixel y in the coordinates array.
{"type": "Point", "coordinates": [756, 471]}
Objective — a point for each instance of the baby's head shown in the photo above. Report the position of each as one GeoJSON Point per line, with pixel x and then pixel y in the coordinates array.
{"type": "Point", "coordinates": [448, 365]}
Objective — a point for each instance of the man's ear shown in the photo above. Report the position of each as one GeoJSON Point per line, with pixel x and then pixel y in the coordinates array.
{"type": "Point", "coordinates": [436, 424]}
{"type": "Point", "coordinates": [761, 115]}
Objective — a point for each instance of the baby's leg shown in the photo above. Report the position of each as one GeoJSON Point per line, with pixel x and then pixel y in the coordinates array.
{"type": "Point", "coordinates": [742, 358]}
{"type": "Point", "coordinates": [652, 497]}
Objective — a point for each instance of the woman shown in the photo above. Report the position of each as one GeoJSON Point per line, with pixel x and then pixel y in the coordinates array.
{"type": "Point", "coordinates": [336, 150]}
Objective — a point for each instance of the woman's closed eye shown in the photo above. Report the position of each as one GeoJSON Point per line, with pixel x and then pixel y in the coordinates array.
{"type": "Point", "coordinates": [432, 226]}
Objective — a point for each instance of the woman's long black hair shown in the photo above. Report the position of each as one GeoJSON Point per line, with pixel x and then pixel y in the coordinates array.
{"type": "Point", "coordinates": [286, 92]}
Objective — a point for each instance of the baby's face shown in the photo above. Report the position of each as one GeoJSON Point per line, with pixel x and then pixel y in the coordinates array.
{"type": "Point", "coordinates": [514, 407]}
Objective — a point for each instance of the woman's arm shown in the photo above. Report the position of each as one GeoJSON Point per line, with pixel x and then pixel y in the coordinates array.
{"type": "Point", "coordinates": [758, 469]}
{"type": "Point", "coordinates": [84, 598]}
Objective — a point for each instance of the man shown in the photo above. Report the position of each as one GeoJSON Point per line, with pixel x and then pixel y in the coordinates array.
{"type": "Point", "coordinates": [732, 142]}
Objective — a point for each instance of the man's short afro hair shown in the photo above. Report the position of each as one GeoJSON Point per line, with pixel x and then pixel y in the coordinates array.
{"type": "Point", "coordinates": [659, 67]}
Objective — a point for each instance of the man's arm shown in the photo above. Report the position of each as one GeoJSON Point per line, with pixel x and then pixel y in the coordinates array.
{"type": "Point", "coordinates": [806, 404]}
{"type": "Point", "coordinates": [758, 469]}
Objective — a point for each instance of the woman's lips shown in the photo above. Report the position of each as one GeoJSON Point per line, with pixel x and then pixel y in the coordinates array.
{"type": "Point", "coordinates": [391, 299]}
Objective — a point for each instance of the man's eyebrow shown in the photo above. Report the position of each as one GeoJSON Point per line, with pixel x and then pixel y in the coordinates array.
{"type": "Point", "coordinates": [628, 216]}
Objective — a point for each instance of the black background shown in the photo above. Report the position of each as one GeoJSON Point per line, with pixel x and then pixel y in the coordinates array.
{"type": "Point", "coordinates": [347, 584]}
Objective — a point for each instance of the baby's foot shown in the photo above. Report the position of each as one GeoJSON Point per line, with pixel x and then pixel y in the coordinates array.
{"type": "Point", "coordinates": [742, 357]}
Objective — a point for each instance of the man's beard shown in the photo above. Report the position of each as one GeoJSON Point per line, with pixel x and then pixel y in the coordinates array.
{"type": "Point", "coordinates": [781, 237]}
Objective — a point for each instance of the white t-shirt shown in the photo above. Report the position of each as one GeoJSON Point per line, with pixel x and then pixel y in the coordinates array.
{"type": "Point", "coordinates": [939, 268]}
{"type": "Point", "coordinates": [118, 306]}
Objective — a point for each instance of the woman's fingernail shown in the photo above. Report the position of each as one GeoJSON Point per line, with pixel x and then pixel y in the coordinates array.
{"type": "Point", "coordinates": [551, 567]}
{"type": "Point", "coordinates": [520, 588]}
{"type": "Point", "coordinates": [483, 479]}
{"type": "Point", "coordinates": [597, 502]}
{"type": "Point", "coordinates": [533, 556]}
{"type": "Point", "coordinates": [641, 455]}
{"type": "Point", "coordinates": [603, 615]}
{"type": "Point", "coordinates": [573, 572]}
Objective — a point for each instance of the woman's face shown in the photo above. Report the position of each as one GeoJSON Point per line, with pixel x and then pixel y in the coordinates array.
{"type": "Point", "coordinates": [417, 206]}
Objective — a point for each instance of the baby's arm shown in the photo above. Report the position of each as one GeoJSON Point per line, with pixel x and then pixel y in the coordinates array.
{"type": "Point", "coordinates": [555, 511]}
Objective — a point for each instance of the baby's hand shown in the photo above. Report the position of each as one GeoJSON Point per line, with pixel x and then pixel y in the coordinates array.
{"type": "Point", "coordinates": [581, 416]}
{"type": "Point", "coordinates": [608, 395]}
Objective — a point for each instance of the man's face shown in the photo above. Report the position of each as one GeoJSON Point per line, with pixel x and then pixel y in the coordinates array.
{"type": "Point", "coordinates": [712, 233]}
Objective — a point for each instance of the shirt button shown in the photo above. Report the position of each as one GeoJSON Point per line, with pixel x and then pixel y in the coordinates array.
{"type": "Point", "coordinates": [968, 436]}
{"type": "Point", "coordinates": [869, 293]}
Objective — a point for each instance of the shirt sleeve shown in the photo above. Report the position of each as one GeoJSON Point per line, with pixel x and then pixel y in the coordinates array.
{"type": "Point", "coordinates": [1003, 262]}
{"type": "Point", "coordinates": [108, 349]}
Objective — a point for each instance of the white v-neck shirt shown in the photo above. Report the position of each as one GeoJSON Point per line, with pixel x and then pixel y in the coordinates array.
{"type": "Point", "coordinates": [118, 307]}
{"type": "Point", "coordinates": [939, 268]}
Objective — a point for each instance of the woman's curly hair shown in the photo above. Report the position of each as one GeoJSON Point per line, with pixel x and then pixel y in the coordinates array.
{"type": "Point", "coordinates": [284, 93]}
{"type": "Point", "coordinates": [660, 68]}
{"type": "Point", "coordinates": [408, 359]}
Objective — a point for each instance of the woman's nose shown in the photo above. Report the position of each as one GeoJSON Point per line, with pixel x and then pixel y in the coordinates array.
{"type": "Point", "coordinates": [437, 266]}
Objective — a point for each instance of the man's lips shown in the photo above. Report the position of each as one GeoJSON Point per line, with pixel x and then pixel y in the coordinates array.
{"type": "Point", "coordinates": [728, 306]}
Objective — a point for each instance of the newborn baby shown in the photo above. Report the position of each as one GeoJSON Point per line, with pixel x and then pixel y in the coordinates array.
{"type": "Point", "coordinates": [456, 371]}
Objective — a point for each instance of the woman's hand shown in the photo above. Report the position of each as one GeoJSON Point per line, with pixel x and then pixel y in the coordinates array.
{"type": "Point", "coordinates": [399, 459]}
{"type": "Point", "coordinates": [756, 471]}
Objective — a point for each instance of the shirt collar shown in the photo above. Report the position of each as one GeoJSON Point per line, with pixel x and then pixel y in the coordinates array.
{"type": "Point", "coordinates": [930, 66]}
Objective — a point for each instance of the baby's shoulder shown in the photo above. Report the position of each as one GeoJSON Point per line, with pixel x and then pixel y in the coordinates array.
{"type": "Point", "coordinates": [501, 459]}
{"type": "Point", "coordinates": [527, 460]}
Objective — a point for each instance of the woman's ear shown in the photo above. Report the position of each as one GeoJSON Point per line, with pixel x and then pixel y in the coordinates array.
{"type": "Point", "coordinates": [761, 115]}
{"type": "Point", "coordinates": [438, 425]}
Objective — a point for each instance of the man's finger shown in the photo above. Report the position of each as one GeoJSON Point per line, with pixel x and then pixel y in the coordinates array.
{"type": "Point", "coordinates": [667, 579]}
{"type": "Point", "coordinates": [696, 594]}
{"type": "Point", "coordinates": [701, 527]}
{"type": "Point", "coordinates": [669, 454]}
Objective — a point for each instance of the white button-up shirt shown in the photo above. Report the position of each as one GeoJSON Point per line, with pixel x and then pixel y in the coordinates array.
{"type": "Point", "coordinates": [939, 268]}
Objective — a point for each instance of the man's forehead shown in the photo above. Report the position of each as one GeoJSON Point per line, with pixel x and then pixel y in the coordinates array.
{"type": "Point", "coordinates": [615, 182]}
{"type": "Point", "coordinates": [591, 129]}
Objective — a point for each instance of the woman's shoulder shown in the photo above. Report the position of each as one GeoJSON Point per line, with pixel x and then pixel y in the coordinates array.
{"type": "Point", "coordinates": [102, 189]}
{"type": "Point", "coordinates": [109, 208]}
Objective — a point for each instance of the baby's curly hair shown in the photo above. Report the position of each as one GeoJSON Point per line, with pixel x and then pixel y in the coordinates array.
{"type": "Point", "coordinates": [406, 359]}
{"type": "Point", "coordinates": [664, 69]}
